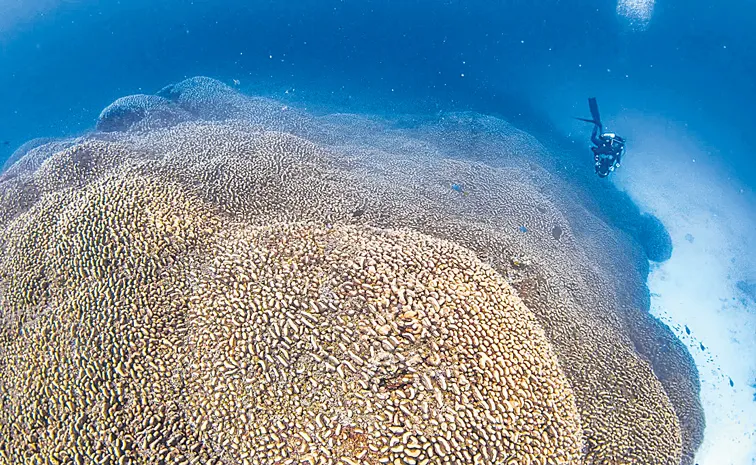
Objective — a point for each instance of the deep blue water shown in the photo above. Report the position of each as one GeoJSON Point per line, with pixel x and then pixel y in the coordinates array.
{"type": "Point", "coordinates": [533, 62]}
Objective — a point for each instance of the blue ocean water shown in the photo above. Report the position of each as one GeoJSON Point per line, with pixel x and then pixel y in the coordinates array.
{"type": "Point", "coordinates": [675, 77]}
{"type": "Point", "coordinates": [64, 61]}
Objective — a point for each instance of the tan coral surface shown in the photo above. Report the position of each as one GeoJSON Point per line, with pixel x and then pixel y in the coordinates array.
{"type": "Point", "coordinates": [138, 325]}
{"type": "Point", "coordinates": [208, 289]}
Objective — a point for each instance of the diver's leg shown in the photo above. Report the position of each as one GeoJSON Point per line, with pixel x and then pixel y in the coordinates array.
{"type": "Point", "coordinates": [594, 135]}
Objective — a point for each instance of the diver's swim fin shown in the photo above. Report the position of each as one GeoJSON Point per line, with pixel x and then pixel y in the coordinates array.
{"type": "Point", "coordinates": [594, 111]}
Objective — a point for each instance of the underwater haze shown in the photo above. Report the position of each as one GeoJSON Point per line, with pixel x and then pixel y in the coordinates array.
{"type": "Point", "coordinates": [442, 133]}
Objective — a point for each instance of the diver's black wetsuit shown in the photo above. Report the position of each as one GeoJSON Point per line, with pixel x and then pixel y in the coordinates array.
{"type": "Point", "coordinates": [609, 148]}
{"type": "Point", "coordinates": [608, 152]}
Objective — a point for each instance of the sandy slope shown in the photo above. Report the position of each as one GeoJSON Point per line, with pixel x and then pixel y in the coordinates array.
{"type": "Point", "coordinates": [712, 221]}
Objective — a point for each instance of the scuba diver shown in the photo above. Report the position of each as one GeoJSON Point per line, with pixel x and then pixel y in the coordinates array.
{"type": "Point", "coordinates": [609, 148]}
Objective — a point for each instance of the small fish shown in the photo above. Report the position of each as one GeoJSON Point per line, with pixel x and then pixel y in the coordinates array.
{"type": "Point", "coordinates": [523, 229]}
{"type": "Point", "coordinates": [359, 212]}
{"type": "Point", "coordinates": [687, 330]}
{"type": "Point", "coordinates": [702, 346]}
{"type": "Point", "coordinates": [731, 383]}
{"type": "Point", "coordinates": [6, 142]}
{"type": "Point", "coordinates": [458, 188]}
{"type": "Point", "coordinates": [236, 82]}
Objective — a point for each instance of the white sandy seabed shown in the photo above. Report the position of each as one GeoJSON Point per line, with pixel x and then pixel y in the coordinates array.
{"type": "Point", "coordinates": [712, 221]}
